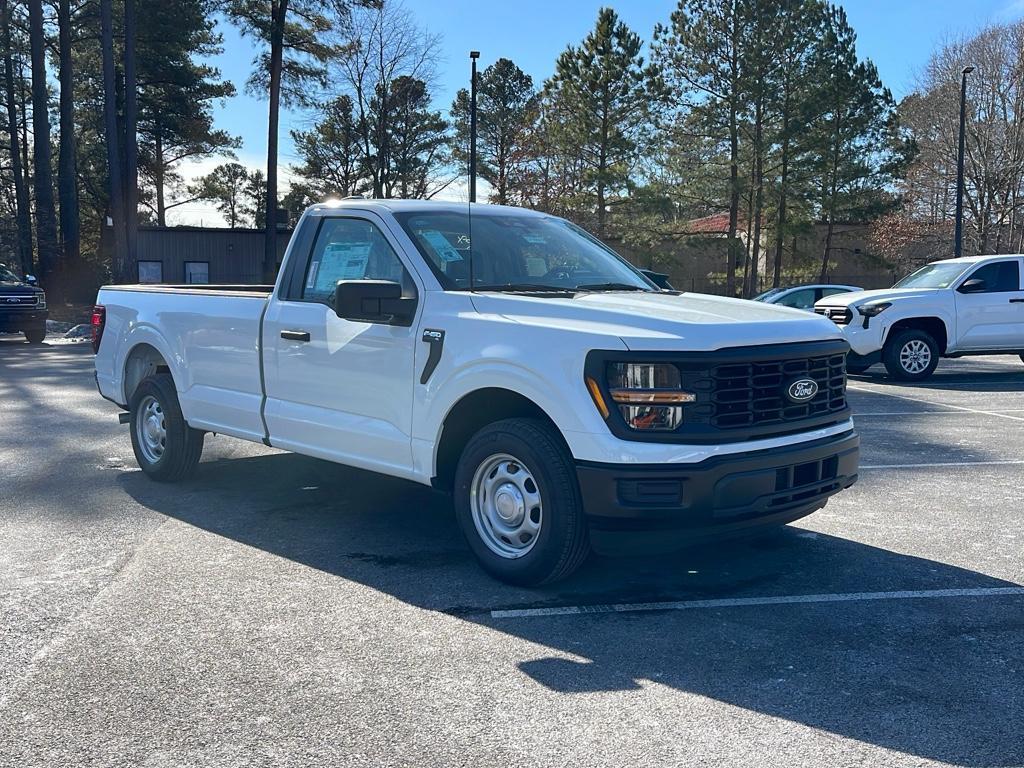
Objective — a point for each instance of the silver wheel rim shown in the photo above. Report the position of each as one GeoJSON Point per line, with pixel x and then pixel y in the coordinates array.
{"type": "Point", "coordinates": [506, 505]}
{"type": "Point", "coordinates": [151, 429]}
{"type": "Point", "coordinates": [915, 356]}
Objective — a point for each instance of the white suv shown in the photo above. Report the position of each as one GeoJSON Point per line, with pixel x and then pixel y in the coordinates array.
{"type": "Point", "coordinates": [949, 308]}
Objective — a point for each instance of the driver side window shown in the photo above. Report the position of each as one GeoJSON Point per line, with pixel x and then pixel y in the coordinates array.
{"type": "Point", "coordinates": [999, 277]}
{"type": "Point", "coordinates": [349, 249]}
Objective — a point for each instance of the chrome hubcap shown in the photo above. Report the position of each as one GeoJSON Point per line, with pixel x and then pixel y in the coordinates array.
{"type": "Point", "coordinates": [506, 506]}
{"type": "Point", "coordinates": [151, 429]}
{"type": "Point", "coordinates": [915, 356]}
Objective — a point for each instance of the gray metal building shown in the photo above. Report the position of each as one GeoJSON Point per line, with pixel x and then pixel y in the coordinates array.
{"type": "Point", "coordinates": [203, 254]}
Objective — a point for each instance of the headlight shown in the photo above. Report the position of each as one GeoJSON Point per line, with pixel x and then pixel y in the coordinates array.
{"type": "Point", "coordinates": [648, 395]}
{"type": "Point", "coordinates": [41, 300]}
{"type": "Point", "coordinates": [870, 310]}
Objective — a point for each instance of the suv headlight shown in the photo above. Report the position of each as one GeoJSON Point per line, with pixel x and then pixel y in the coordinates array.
{"type": "Point", "coordinates": [41, 300]}
{"type": "Point", "coordinates": [870, 310]}
{"type": "Point", "coordinates": [649, 396]}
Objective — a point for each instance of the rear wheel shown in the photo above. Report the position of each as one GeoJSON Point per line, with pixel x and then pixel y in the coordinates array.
{"type": "Point", "coordinates": [35, 335]}
{"type": "Point", "coordinates": [165, 446]}
{"type": "Point", "coordinates": [518, 503]}
{"type": "Point", "coordinates": [910, 355]}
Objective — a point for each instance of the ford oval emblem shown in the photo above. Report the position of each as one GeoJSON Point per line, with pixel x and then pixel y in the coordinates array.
{"type": "Point", "coordinates": [802, 390]}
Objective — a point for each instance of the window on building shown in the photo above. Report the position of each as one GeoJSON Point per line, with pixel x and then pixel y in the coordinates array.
{"type": "Point", "coordinates": [197, 272]}
{"type": "Point", "coordinates": [151, 271]}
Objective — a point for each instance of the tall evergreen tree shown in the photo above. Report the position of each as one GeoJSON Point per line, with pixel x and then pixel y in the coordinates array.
{"type": "Point", "coordinates": [46, 213]}
{"type": "Point", "coordinates": [67, 160]}
{"type": "Point", "coordinates": [602, 85]}
{"type": "Point", "coordinates": [23, 213]}
{"type": "Point", "coordinates": [507, 109]}
{"type": "Point", "coordinates": [330, 155]}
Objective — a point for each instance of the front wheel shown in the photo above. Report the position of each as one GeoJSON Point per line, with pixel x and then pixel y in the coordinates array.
{"type": "Point", "coordinates": [165, 446]}
{"type": "Point", "coordinates": [911, 355]}
{"type": "Point", "coordinates": [35, 335]}
{"type": "Point", "coordinates": [518, 503]}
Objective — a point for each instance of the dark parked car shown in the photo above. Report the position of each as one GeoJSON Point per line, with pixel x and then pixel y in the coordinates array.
{"type": "Point", "coordinates": [22, 306]}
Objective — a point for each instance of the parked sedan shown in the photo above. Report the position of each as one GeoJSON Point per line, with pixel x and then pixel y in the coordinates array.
{"type": "Point", "coordinates": [803, 296]}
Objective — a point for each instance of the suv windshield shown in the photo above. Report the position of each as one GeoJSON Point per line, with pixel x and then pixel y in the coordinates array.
{"type": "Point", "coordinates": [510, 252]}
{"type": "Point", "coordinates": [7, 275]}
{"type": "Point", "coordinates": [939, 275]}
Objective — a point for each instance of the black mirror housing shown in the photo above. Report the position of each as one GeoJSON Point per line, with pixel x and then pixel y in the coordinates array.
{"type": "Point", "coordinates": [373, 301]}
{"type": "Point", "coordinates": [660, 279]}
{"type": "Point", "coordinates": [974, 285]}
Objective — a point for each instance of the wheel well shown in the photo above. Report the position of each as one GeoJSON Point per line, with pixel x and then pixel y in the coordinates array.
{"type": "Point", "coordinates": [933, 326]}
{"type": "Point", "coordinates": [470, 414]}
{"type": "Point", "coordinates": [143, 361]}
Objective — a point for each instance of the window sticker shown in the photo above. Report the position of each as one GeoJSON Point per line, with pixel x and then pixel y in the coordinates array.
{"type": "Point", "coordinates": [536, 239]}
{"type": "Point", "coordinates": [342, 261]}
{"type": "Point", "coordinates": [444, 249]}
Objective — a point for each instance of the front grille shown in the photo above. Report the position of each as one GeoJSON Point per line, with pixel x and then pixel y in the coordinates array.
{"type": "Point", "coordinates": [20, 300]}
{"type": "Point", "coordinates": [838, 315]}
{"type": "Point", "coordinates": [743, 393]}
{"type": "Point", "coordinates": [734, 396]}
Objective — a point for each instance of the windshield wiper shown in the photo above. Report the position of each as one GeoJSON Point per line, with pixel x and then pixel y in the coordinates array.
{"type": "Point", "coordinates": [522, 288]}
{"type": "Point", "coordinates": [612, 287]}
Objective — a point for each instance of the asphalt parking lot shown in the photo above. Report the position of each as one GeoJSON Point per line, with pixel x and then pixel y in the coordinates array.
{"type": "Point", "coordinates": [279, 610]}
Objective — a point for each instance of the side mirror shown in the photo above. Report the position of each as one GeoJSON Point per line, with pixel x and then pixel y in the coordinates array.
{"type": "Point", "coordinates": [974, 285]}
{"type": "Point", "coordinates": [660, 279]}
{"type": "Point", "coordinates": [373, 301]}
{"type": "Point", "coordinates": [31, 279]}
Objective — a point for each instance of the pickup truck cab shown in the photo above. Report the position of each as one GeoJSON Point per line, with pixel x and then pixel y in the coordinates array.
{"type": "Point", "coordinates": [502, 355]}
{"type": "Point", "coordinates": [22, 306]}
{"type": "Point", "coordinates": [949, 308]}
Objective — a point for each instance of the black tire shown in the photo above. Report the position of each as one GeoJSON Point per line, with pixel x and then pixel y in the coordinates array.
{"type": "Point", "coordinates": [893, 353]}
{"type": "Point", "coordinates": [35, 335]}
{"type": "Point", "coordinates": [182, 445]}
{"type": "Point", "coordinates": [562, 542]}
{"type": "Point", "coordinates": [856, 370]}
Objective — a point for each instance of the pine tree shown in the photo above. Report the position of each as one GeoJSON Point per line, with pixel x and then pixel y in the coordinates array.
{"type": "Point", "coordinates": [602, 85]}
{"type": "Point", "coordinates": [507, 108]}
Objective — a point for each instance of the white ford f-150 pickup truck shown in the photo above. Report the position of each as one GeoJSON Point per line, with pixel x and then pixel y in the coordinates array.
{"type": "Point", "coordinates": [949, 308]}
{"type": "Point", "coordinates": [503, 355]}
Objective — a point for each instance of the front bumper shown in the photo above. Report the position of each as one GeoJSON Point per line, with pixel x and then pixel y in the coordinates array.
{"type": "Point", "coordinates": [18, 320]}
{"type": "Point", "coordinates": [659, 507]}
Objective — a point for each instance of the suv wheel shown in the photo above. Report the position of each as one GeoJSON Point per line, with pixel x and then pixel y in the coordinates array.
{"type": "Point", "coordinates": [910, 355]}
{"type": "Point", "coordinates": [35, 335]}
{"type": "Point", "coordinates": [165, 446]}
{"type": "Point", "coordinates": [518, 503]}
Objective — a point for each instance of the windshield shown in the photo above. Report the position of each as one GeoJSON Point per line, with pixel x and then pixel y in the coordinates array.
{"type": "Point", "coordinates": [517, 253]}
{"type": "Point", "coordinates": [7, 276]}
{"type": "Point", "coordinates": [938, 275]}
{"type": "Point", "coordinates": [768, 294]}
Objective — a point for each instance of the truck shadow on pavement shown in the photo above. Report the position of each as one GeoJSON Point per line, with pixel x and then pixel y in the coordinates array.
{"type": "Point", "coordinates": [938, 678]}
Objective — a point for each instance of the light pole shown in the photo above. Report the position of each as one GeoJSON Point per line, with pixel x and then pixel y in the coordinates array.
{"type": "Point", "coordinates": [958, 237]}
{"type": "Point", "coordinates": [473, 55]}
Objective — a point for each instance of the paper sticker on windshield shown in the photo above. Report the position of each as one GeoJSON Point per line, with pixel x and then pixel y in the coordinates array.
{"type": "Point", "coordinates": [536, 239]}
{"type": "Point", "coordinates": [444, 250]}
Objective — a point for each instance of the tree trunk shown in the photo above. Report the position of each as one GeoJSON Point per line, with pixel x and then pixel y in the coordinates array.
{"type": "Point", "coordinates": [831, 208]}
{"type": "Point", "coordinates": [67, 172]}
{"type": "Point", "coordinates": [119, 258]}
{"type": "Point", "coordinates": [734, 159]}
{"type": "Point", "coordinates": [752, 287]}
{"type": "Point", "coordinates": [131, 138]}
{"type": "Point", "coordinates": [279, 11]}
{"type": "Point", "coordinates": [780, 223]}
{"type": "Point", "coordinates": [158, 176]}
{"type": "Point", "coordinates": [46, 214]}
{"type": "Point", "coordinates": [23, 212]}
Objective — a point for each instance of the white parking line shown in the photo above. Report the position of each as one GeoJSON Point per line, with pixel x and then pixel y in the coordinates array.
{"type": "Point", "coordinates": [887, 393]}
{"type": "Point", "coordinates": [744, 602]}
{"type": "Point", "coordinates": [942, 464]}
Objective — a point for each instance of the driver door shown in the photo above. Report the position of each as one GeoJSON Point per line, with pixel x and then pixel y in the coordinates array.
{"type": "Point", "coordinates": [336, 388]}
{"type": "Point", "coordinates": [992, 318]}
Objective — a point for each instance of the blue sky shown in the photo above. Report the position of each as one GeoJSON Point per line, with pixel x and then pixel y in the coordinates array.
{"type": "Point", "coordinates": [898, 35]}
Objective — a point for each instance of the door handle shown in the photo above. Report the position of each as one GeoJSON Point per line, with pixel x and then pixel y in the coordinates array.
{"type": "Point", "coordinates": [295, 335]}
{"type": "Point", "coordinates": [1017, 301]}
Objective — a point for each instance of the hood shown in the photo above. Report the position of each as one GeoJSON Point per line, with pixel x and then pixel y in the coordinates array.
{"type": "Point", "coordinates": [661, 321]}
{"type": "Point", "coordinates": [17, 289]}
{"type": "Point", "coordinates": [885, 294]}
